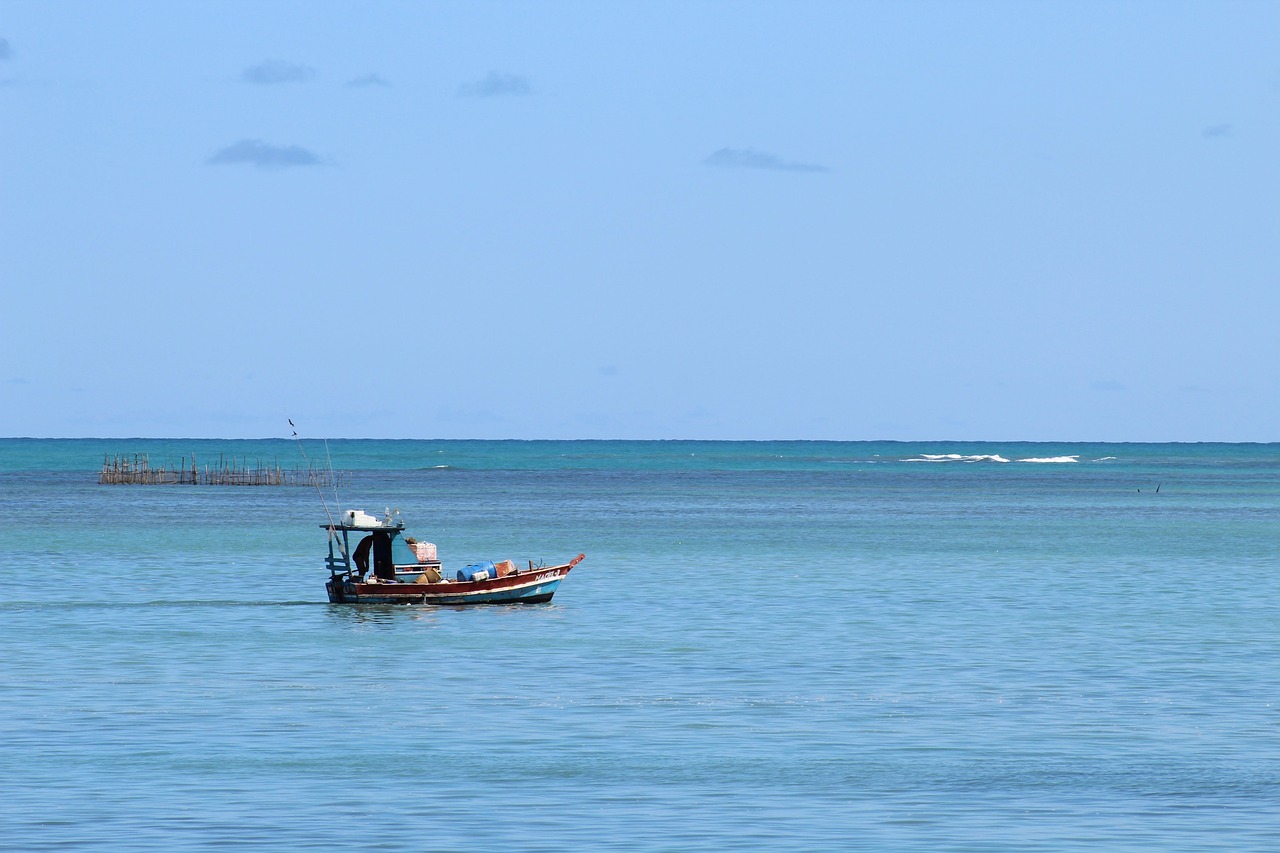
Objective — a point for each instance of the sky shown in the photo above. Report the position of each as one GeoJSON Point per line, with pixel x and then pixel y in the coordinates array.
{"type": "Point", "coordinates": [1054, 221]}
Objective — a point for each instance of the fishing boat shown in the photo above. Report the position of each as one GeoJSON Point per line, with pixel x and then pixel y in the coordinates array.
{"type": "Point", "coordinates": [371, 561]}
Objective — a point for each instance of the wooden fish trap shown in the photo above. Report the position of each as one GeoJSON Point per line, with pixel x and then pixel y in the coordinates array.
{"type": "Point", "coordinates": [137, 470]}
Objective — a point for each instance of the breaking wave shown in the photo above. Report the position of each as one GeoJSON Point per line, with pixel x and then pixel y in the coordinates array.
{"type": "Point", "coordinates": [989, 457]}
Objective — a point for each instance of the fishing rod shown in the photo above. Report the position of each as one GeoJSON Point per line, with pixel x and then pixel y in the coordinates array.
{"type": "Point", "coordinates": [314, 480]}
{"type": "Point", "coordinates": [333, 478]}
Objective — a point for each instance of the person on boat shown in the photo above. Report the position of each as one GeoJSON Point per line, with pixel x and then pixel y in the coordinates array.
{"type": "Point", "coordinates": [361, 555]}
{"type": "Point", "coordinates": [380, 544]}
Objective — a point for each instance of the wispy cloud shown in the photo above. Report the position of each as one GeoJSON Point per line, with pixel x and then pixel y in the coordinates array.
{"type": "Point", "coordinates": [368, 80]}
{"type": "Point", "coordinates": [1217, 131]}
{"type": "Point", "coordinates": [749, 158]}
{"type": "Point", "coordinates": [255, 152]}
{"type": "Point", "coordinates": [6, 52]}
{"type": "Point", "coordinates": [496, 85]}
{"type": "Point", "coordinates": [274, 71]}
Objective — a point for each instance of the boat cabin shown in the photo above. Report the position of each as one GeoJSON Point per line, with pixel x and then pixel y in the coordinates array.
{"type": "Point", "coordinates": [361, 544]}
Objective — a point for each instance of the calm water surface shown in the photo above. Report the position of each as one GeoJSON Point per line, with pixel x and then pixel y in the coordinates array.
{"type": "Point", "coordinates": [770, 646]}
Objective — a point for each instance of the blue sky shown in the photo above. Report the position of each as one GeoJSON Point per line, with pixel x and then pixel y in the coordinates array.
{"type": "Point", "coordinates": [854, 220]}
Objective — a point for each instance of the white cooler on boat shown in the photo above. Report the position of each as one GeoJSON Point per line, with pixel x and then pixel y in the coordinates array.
{"type": "Point", "coordinates": [360, 518]}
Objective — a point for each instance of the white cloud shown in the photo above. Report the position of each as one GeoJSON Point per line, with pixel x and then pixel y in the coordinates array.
{"type": "Point", "coordinates": [367, 81]}
{"type": "Point", "coordinates": [255, 152]}
{"type": "Point", "coordinates": [497, 85]}
{"type": "Point", "coordinates": [273, 72]}
{"type": "Point", "coordinates": [749, 158]}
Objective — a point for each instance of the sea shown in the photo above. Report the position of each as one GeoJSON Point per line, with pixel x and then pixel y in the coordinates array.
{"type": "Point", "coordinates": [941, 646]}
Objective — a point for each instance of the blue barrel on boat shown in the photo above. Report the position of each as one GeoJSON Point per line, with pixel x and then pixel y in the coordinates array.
{"type": "Point", "coordinates": [469, 572]}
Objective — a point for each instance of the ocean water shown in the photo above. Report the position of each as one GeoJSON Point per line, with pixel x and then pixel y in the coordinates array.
{"type": "Point", "coordinates": [770, 646]}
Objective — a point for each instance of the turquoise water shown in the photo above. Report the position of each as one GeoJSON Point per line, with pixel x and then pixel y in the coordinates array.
{"type": "Point", "coordinates": [770, 646]}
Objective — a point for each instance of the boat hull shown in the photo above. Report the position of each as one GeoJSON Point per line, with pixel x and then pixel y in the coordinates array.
{"type": "Point", "coordinates": [535, 586]}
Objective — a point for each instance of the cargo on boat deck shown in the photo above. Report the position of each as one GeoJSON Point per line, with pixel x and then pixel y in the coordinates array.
{"type": "Point", "coordinates": [475, 572]}
{"type": "Point", "coordinates": [431, 575]}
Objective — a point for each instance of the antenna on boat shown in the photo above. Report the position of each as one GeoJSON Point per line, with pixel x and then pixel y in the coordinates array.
{"type": "Point", "coordinates": [323, 503]}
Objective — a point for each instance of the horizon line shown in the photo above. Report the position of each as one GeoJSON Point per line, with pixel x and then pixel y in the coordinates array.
{"type": "Point", "coordinates": [690, 440]}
